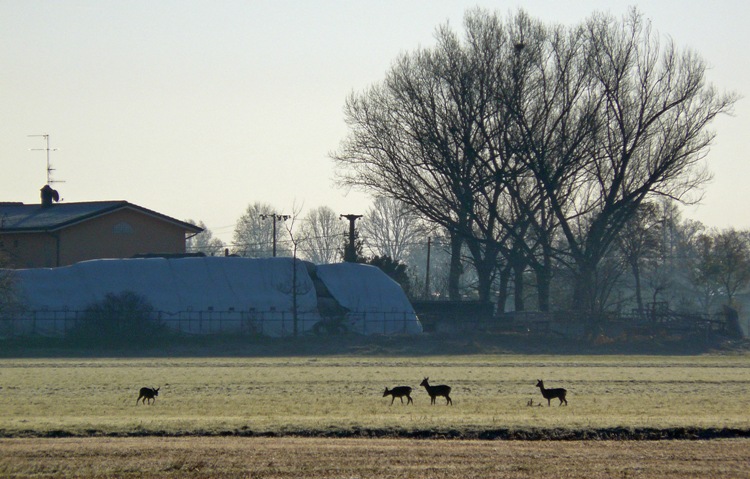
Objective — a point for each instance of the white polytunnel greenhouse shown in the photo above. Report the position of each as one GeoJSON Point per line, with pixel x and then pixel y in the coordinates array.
{"type": "Point", "coordinates": [204, 295]}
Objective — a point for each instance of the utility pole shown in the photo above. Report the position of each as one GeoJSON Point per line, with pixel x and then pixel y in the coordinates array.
{"type": "Point", "coordinates": [275, 217]}
{"type": "Point", "coordinates": [350, 253]}
{"type": "Point", "coordinates": [427, 274]}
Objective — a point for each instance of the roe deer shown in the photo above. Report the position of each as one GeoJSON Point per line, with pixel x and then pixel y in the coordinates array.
{"type": "Point", "coordinates": [399, 392]}
{"type": "Point", "coordinates": [435, 391]}
{"type": "Point", "coordinates": [148, 393]}
{"type": "Point", "coordinates": [549, 394]}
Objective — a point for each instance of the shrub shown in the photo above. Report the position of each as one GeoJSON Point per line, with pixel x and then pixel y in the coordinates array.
{"type": "Point", "coordinates": [124, 319]}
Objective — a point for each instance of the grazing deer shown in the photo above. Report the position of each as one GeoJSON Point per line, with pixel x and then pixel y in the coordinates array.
{"type": "Point", "coordinates": [399, 392]}
{"type": "Point", "coordinates": [549, 394]}
{"type": "Point", "coordinates": [435, 391]}
{"type": "Point", "coordinates": [147, 393]}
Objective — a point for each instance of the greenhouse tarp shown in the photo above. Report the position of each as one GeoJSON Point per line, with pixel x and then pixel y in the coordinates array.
{"type": "Point", "coordinates": [212, 294]}
{"type": "Point", "coordinates": [376, 303]}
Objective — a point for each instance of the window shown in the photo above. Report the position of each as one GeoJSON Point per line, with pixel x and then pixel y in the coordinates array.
{"type": "Point", "coordinates": [122, 228]}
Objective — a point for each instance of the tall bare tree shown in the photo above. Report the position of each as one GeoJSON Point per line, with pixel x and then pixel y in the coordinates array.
{"type": "Point", "coordinates": [722, 265]}
{"type": "Point", "coordinates": [320, 236]}
{"type": "Point", "coordinates": [639, 242]}
{"type": "Point", "coordinates": [652, 134]}
{"type": "Point", "coordinates": [204, 242]}
{"type": "Point", "coordinates": [415, 138]}
{"type": "Point", "coordinates": [528, 141]}
{"type": "Point", "coordinates": [390, 228]}
{"type": "Point", "coordinates": [254, 232]}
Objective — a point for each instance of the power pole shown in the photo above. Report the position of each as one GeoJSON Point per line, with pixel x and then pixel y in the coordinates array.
{"type": "Point", "coordinates": [350, 253]}
{"type": "Point", "coordinates": [275, 217]}
{"type": "Point", "coordinates": [427, 274]}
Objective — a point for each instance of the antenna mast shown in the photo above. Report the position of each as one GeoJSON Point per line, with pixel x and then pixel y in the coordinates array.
{"type": "Point", "coordinates": [47, 149]}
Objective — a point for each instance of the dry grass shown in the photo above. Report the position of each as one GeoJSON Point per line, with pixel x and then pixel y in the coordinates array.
{"type": "Point", "coordinates": [369, 458]}
{"type": "Point", "coordinates": [330, 395]}
{"type": "Point", "coordinates": [343, 395]}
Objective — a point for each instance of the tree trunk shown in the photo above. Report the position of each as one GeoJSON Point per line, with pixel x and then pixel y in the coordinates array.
{"type": "Point", "coordinates": [543, 280]}
{"type": "Point", "coordinates": [454, 274]}
{"type": "Point", "coordinates": [584, 288]}
{"type": "Point", "coordinates": [637, 277]}
{"type": "Point", "coordinates": [502, 294]}
{"type": "Point", "coordinates": [484, 260]}
{"type": "Point", "coordinates": [484, 269]}
{"type": "Point", "coordinates": [518, 300]}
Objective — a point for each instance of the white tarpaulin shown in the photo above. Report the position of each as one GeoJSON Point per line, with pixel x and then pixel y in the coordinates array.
{"type": "Point", "coordinates": [212, 294]}
{"type": "Point", "coordinates": [194, 294]}
{"type": "Point", "coordinates": [376, 303]}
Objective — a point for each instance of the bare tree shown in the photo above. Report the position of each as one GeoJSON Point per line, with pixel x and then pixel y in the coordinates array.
{"type": "Point", "coordinates": [254, 232]}
{"type": "Point", "coordinates": [415, 138]}
{"type": "Point", "coordinates": [638, 242]}
{"type": "Point", "coordinates": [652, 133]}
{"type": "Point", "coordinates": [204, 242]}
{"type": "Point", "coordinates": [531, 142]}
{"type": "Point", "coordinates": [391, 228]}
{"type": "Point", "coordinates": [722, 265]}
{"type": "Point", "coordinates": [297, 286]}
{"type": "Point", "coordinates": [641, 114]}
{"type": "Point", "coordinates": [320, 236]}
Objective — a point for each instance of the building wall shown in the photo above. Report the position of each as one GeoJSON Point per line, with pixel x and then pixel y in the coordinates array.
{"type": "Point", "coordinates": [121, 234]}
{"type": "Point", "coordinates": [29, 250]}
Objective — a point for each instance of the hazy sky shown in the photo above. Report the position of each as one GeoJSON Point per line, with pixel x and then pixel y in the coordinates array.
{"type": "Point", "coordinates": [196, 109]}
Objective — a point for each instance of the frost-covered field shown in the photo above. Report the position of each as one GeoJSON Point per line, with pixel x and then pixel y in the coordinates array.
{"type": "Point", "coordinates": [342, 396]}
{"type": "Point", "coordinates": [64, 417]}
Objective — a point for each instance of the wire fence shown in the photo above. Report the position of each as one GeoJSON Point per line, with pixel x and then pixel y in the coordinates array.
{"type": "Point", "coordinates": [52, 323]}
{"type": "Point", "coordinates": [274, 323]}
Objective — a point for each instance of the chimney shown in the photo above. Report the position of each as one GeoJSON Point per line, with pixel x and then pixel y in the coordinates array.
{"type": "Point", "coordinates": [48, 196]}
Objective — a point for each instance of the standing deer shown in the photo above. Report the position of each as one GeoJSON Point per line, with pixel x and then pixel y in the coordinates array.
{"type": "Point", "coordinates": [549, 394]}
{"type": "Point", "coordinates": [147, 393]}
{"type": "Point", "coordinates": [399, 392]}
{"type": "Point", "coordinates": [435, 391]}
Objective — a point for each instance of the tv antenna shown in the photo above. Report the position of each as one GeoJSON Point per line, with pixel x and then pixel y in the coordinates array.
{"type": "Point", "coordinates": [47, 149]}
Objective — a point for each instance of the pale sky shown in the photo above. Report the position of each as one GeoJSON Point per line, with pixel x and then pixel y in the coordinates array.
{"type": "Point", "coordinates": [196, 109]}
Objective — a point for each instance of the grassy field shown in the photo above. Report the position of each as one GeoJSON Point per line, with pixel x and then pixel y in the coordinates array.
{"type": "Point", "coordinates": [78, 418]}
{"type": "Point", "coordinates": [342, 396]}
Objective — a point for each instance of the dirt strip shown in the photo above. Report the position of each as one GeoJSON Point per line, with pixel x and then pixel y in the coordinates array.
{"type": "Point", "coordinates": [617, 433]}
{"type": "Point", "coordinates": [317, 458]}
